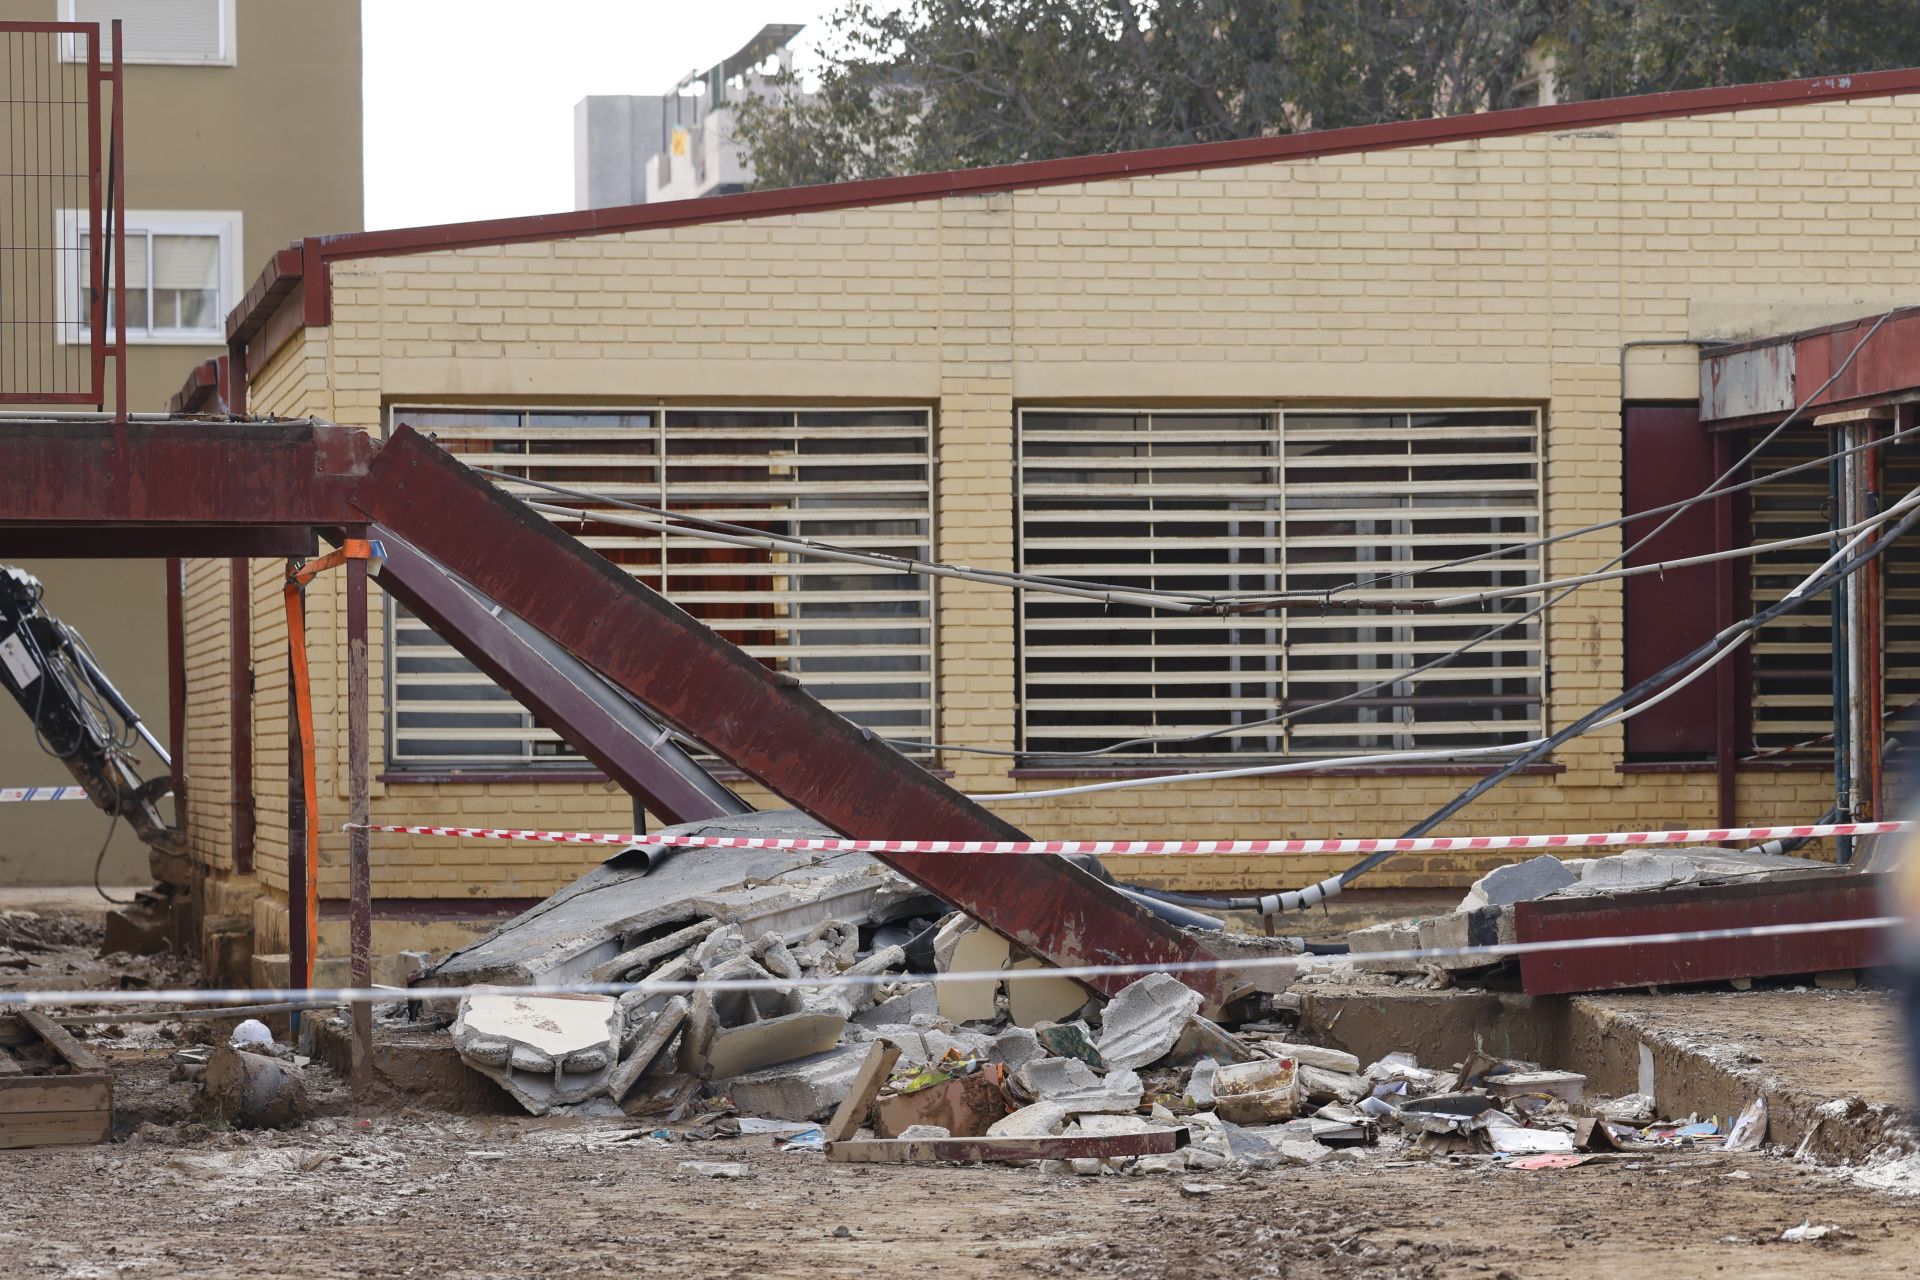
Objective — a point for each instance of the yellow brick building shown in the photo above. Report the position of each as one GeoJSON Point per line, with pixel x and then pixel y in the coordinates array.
{"type": "Point", "coordinates": [1498, 281]}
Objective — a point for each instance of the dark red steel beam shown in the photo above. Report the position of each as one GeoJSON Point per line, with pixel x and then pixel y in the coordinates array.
{"type": "Point", "coordinates": [1817, 897]}
{"type": "Point", "coordinates": [511, 661]}
{"type": "Point", "coordinates": [179, 472]}
{"type": "Point", "coordinates": [764, 724]}
{"type": "Point", "coordinates": [195, 541]}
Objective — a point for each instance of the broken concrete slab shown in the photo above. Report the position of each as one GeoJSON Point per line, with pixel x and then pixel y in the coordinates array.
{"type": "Point", "coordinates": [806, 1089]}
{"type": "Point", "coordinates": [1519, 882]}
{"type": "Point", "coordinates": [1144, 1021]}
{"type": "Point", "coordinates": [901, 1009]}
{"type": "Point", "coordinates": [622, 904]}
{"type": "Point", "coordinates": [546, 1051]}
{"type": "Point", "coordinates": [1313, 1055]}
{"type": "Point", "coordinates": [638, 960]}
{"type": "Point", "coordinates": [738, 1050]}
{"type": "Point", "coordinates": [1015, 1047]}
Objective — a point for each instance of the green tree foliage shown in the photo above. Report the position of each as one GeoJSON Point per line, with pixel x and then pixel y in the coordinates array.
{"type": "Point", "coordinates": [953, 84]}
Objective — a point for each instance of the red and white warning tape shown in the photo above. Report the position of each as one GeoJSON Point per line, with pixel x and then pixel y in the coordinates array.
{"type": "Point", "coordinates": [1175, 848]}
{"type": "Point", "coordinates": [9, 795]}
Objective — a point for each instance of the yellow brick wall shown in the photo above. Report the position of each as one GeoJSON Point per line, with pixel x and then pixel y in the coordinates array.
{"type": "Point", "coordinates": [1504, 271]}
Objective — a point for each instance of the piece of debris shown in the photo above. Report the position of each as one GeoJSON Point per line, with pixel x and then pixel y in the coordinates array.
{"type": "Point", "coordinates": [1195, 1189]}
{"type": "Point", "coordinates": [988, 1149]}
{"type": "Point", "coordinates": [1257, 1092]}
{"type": "Point", "coordinates": [252, 1090]}
{"type": "Point", "coordinates": [544, 1050]}
{"type": "Point", "coordinates": [717, 1168]}
{"type": "Point", "coordinates": [1806, 1232]}
{"type": "Point", "coordinates": [1143, 1022]}
{"type": "Point", "coordinates": [1750, 1130]}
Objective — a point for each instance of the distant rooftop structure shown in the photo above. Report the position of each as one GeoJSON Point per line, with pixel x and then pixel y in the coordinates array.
{"type": "Point", "coordinates": [677, 145]}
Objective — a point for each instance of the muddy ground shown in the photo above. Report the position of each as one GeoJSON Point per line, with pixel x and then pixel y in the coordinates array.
{"type": "Point", "coordinates": [388, 1187]}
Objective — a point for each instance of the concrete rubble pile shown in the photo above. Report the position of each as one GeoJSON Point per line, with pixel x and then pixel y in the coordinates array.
{"type": "Point", "coordinates": [1485, 917]}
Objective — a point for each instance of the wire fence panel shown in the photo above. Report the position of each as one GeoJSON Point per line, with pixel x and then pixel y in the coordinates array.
{"type": "Point", "coordinates": [52, 335]}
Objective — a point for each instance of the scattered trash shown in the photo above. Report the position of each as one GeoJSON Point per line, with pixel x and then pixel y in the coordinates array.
{"type": "Point", "coordinates": [1201, 1188]}
{"type": "Point", "coordinates": [1750, 1129]}
{"type": "Point", "coordinates": [250, 1032]}
{"type": "Point", "coordinates": [717, 1168]}
{"type": "Point", "coordinates": [1806, 1232]}
{"type": "Point", "coordinates": [1557, 1161]}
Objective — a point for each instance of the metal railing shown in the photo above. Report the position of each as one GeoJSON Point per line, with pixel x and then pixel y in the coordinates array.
{"type": "Point", "coordinates": [62, 216]}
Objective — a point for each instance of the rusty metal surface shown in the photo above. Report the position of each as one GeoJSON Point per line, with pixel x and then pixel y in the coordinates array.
{"type": "Point", "coordinates": [1747, 384]}
{"type": "Point", "coordinates": [359, 854]}
{"type": "Point", "coordinates": [188, 472]}
{"type": "Point", "coordinates": [198, 541]}
{"type": "Point", "coordinates": [764, 724]}
{"type": "Point", "coordinates": [1799, 899]}
{"type": "Point", "coordinates": [567, 696]}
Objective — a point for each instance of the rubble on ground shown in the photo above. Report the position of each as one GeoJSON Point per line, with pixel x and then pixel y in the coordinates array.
{"type": "Point", "coordinates": [1484, 917]}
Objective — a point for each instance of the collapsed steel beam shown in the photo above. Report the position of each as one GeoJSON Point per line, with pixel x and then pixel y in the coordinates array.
{"type": "Point", "coordinates": [600, 721]}
{"type": "Point", "coordinates": [762, 722]}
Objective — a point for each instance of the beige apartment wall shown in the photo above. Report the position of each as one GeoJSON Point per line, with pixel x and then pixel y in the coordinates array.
{"type": "Point", "coordinates": [1507, 271]}
{"type": "Point", "coordinates": [276, 136]}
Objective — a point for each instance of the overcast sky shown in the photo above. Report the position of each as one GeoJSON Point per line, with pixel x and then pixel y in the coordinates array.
{"type": "Point", "coordinates": [469, 103]}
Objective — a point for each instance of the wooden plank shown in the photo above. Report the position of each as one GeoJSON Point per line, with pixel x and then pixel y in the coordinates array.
{"type": "Point", "coordinates": [975, 1150]}
{"type": "Point", "coordinates": [21, 1095]}
{"type": "Point", "coordinates": [80, 1059]}
{"type": "Point", "coordinates": [866, 1083]}
{"type": "Point", "coordinates": [55, 1128]}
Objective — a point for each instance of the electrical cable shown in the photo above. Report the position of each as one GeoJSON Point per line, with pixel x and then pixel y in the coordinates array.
{"type": "Point", "coordinates": [100, 859]}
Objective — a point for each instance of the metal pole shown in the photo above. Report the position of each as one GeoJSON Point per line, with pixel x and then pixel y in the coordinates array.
{"type": "Point", "coordinates": [1842, 752]}
{"type": "Point", "coordinates": [1726, 718]}
{"type": "Point", "coordinates": [358, 811]}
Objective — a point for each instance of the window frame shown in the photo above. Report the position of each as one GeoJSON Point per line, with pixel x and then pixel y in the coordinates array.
{"type": "Point", "coordinates": [1274, 415]}
{"type": "Point", "coordinates": [571, 764]}
{"type": "Point", "coordinates": [75, 328]}
{"type": "Point", "coordinates": [227, 56]}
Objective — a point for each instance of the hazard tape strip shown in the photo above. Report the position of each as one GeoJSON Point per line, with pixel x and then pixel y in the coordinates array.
{"type": "Point", "coordinates": [1281, 961]}
{"type": "Point", "coordinates": [1171, 848]}
{"type": "Point", "coordinates": [10, 795]}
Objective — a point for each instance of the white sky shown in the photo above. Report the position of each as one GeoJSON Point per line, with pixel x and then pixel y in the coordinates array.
{"type": "Point", "coordinates": [469, 103]}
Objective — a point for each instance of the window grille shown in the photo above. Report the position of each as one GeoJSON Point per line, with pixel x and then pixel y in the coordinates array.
{"type": "Point", "coordinates": [1254, 501]}
{"type": "Point", "coordinates": [163, 31]}
{"type": "Point", "coordinates": [859, 639]}
{"type": "Point", "coordinates": [1792, 663]}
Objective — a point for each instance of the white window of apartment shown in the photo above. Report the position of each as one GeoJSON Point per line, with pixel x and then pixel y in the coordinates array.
{"type": "Point", "coordinates": [1262, 501]}
{"type": "Point", "coordinates": [182, 276]}
{"type": "Point", "coordinates": [183, 32]}
{"type": "Point", "coordinates": [860, 640]}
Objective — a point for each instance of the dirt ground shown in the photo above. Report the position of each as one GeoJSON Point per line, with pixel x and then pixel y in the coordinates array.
{"type": "Point", "coordinates": [388, 1187]}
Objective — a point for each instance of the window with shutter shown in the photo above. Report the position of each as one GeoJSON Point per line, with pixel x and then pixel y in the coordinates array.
{"type": "Point", "coordinates": [181, 271]}
{"type": "Point", "coordinates": [191, 32]}
{"type": "Point", "coordinates": [1260, 501]}
{"type": "Point", "coordinates": [861, 640]}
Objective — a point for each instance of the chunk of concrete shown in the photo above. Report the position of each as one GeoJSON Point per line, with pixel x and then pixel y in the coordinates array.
{"type": "Point", "coordinates": [653, 1038]}
{"type": "Point", "coordinates": [808, 1089]}
{"type": "Point", "coordinates": [1035, 1000]}
{"type": "Point", "coordinates": [546, 1051]}
{"type": "Point", "coordinates": [1015, 1047]}
{"type": "Point", "coordinates": [738, 1050]}
{"type": "Point", "coordinates": [1039, 1120]}
{"type": "Point", "coordinates": [1312, 1055]}
{"type": "Point", "coordinates": [1071, 1085]}
{"type": "Point", "coordinates": [1519, 882]}
{"type": "Point", "coordinates": [977, 950]}
{"type": "Point", "coordinates": [1143, 1022]}
{"type": "Point", "coordinates": [1394, 936]}
{"type": "Point", "coordinates": [900, 1009]}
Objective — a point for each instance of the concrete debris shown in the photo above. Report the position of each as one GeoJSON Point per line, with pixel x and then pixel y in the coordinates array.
{"type": "Point", "coordinates": [1142, 1023]}
{"type": "Point", "coordinates": [1015, 1047]}
{"type": "Point", "coordinates": [1070, 1040]}
{"type": "Point", "coordinates": [966, 1099]}
{"type": "Point", "coordinates": [546, 1051]}
{"type": "Point", "coordinates": [807, 1089]}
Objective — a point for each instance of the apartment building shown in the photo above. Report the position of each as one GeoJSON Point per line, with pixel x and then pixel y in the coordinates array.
{"type": "Point", "coordinates": [243, 132]}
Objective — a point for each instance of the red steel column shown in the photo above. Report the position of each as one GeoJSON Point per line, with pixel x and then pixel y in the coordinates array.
{"type": "Point", "coordinates": [358, 808]}
{"type": "Point", "coordinates": [1726, 715]}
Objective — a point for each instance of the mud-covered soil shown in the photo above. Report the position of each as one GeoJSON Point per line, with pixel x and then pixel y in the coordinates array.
{"type": "Point", "coordinates": [426, 1195]}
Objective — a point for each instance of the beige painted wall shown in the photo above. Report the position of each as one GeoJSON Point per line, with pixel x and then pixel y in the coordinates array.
{"type": "Point", "coordinates": [1509, 270]}
{"type": "Point", "coordinates": [276, 136]}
